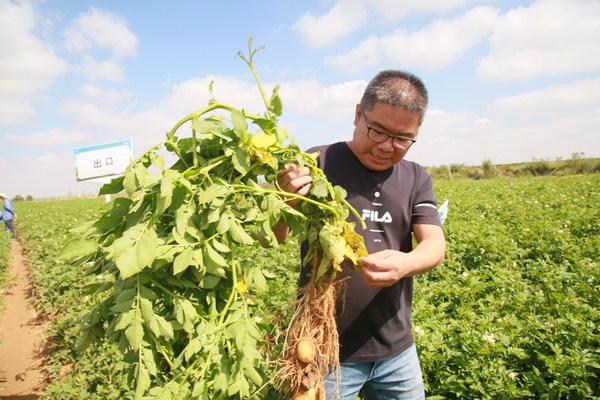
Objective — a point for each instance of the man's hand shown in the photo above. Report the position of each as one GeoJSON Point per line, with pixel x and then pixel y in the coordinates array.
{"type": "Point", "coordinates": [383, 268]}
{"type": "Point", "coordinates": [296, 180]}
{"type": "Point", "coordinates": [386, 267]}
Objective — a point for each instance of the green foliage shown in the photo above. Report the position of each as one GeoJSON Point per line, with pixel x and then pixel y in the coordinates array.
{"type": "Point", "coordinates": [577, 165]}
{"type": "Point", "coordinates": [489, 169]}
{"type": "Point", "coordinates": [4, 259]}
{"type": "Point", "coordinates": [175, 294]}
{"type": "Point", "coordinates": [513, 312]}
{"type": "Point", "coordinates": [44, 228]}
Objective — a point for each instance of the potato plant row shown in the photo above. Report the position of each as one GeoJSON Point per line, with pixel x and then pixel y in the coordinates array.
{"type": "Point", "coordinates": [4, 260]}
{"type": "Point", "coordinates": [511, 313]}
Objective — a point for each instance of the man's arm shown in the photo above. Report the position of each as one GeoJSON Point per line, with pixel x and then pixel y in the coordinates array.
{"type": "Point", "coordinates": [386, 267]}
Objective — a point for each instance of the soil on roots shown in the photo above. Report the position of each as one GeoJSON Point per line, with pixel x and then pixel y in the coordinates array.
{"type": "Point", "coordinates": [314, 322]}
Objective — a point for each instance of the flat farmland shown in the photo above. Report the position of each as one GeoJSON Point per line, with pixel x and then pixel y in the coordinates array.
{"type": "Point", "coordinates": [512, 312]}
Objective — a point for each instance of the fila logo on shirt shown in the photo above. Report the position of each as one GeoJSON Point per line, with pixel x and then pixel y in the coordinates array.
{"type": "Point", "coordinates": [372, 215]}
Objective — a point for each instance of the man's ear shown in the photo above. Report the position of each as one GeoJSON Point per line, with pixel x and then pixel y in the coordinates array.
{"type": "Point", "coordinates": [357, 114]}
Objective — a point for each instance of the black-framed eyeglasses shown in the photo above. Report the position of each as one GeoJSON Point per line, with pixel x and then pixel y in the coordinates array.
{"type": "Point", "coordinates": [378, 136]}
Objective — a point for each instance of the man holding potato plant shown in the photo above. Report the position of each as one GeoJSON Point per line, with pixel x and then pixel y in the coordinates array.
{"type": "Point", "coordinates": [395, 199]}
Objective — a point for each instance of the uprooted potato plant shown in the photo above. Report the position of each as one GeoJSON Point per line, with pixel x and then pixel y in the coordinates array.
{"type": "Point", "coordinates": [171, 288]}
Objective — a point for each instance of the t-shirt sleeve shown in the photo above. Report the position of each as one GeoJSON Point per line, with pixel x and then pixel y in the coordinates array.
{"type": "Point", "coordinates": [424, 209]}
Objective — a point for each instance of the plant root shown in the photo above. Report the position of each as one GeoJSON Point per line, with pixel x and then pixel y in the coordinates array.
{"type": "Point", "coordinates": [314, 322]}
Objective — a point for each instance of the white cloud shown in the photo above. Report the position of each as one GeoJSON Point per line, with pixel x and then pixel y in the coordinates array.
{"type": "Point", "coordinates": [336, 102]}
{"type": "Point", "coordinates": [48, 138]}
{"type": "Point", "coordinates": [347, 16]}
{"type": "Point", "coordinates": [561, 98]}
{"type": "Point", "coordinates": [436, 46]}
{"type": "Point", "coordinates": [344, 17]}
{"type": "Point", "coordinates": [29, 65]}
{"type": "Point", "coordinates": [57, 170]}
{"type": "Point", "coordinates": [548, 38]}
{"type": "Point", "coordinates": [117, 116]}
{"type": "Point", "coordinates": [395, 10]}
{"type": "Point", "coordinates": [93, 70]}
{"type": "Point", "coordinates": [450, 137]}
{"type": "Point", "coordinates": [101, 94]}
{"type": "Point", "coordinates": [97, 29]}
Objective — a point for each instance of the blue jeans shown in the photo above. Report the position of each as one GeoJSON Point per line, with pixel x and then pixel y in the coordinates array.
{"type": "Point", "coordinates": [397, 378]}
{"type": "Point", "coordinates": [10, 227]}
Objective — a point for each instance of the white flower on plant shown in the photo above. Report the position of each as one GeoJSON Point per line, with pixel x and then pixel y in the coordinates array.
{"type": "Point", "coordinates": [513, 375]}
{"type": "Point", "coordinates": [419, 331]}
{"type": "Point", "coordinates": [489, 337]}
{"type": "Point", "coordinates": [465, 274]}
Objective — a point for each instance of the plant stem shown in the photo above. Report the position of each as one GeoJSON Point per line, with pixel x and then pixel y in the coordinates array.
{"type": "Point", "coordinates": [194, 148]}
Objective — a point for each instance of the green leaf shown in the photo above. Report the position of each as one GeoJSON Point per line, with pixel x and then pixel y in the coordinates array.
{"type": "Point", "coordinates": [143, 381]}
{"type": "Point", "coordinates": [319, 187]}
{"type": "Point", "coordinates": [147, 310]}
{"type": "Point", "coordinates": [241, 161]}
{"type": "Point", "coordinates": [148, 360]}
{"type": "Point", "coordinates": [209, 281]}
{"type": "Point", "coordinates": [166, 188]}
{"type": "Point", "coordinates": [135, 331]}
{"type": "Point", "coordinates": [259, 279]}
{"type": "Point", "coordinates": [122, 306]}
{"type": "Point", "coordinates": [183, 260]}
{"type": "Point", "coordinates": [186, 314]}
{"type": "Point", "coordinates": [166, 328]}
{"type": "Point", "coordinates": [252, 374]}
{"type": "Point", "coordinates": [238, 119]}
{"type": "Point", "coordinates": [213, 257]}
{"type": "Point", "coordinates": [157, 161]}
{"type": "Point", "coordinates": [221, 382]}
{"type": "Point", "coordinates": [77, 248]}
{"type": "Point", "coordinates": [220, 247]}
{"type": "Point", "coordinates": [223, 225]}
{"type": "Point", "coordinates": [238, 234]}
{"type": "Point", "coordinates": [135, 250]}
{"type": "Point", "coordinates": [113, 187]}
{"type": "Point", "coordinates": [275, 105]}
{"type": "Point", "coordinates": [123, 320]}
{"type": "Point", "coordinates": [129, 182]}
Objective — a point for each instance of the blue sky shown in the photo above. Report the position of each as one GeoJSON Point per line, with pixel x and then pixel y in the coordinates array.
{"type": "Point", "coordinates": [509, 81]}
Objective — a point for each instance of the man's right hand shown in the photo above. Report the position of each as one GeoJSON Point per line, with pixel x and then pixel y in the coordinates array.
{"type": "Point", "coordinates": [296, 180]}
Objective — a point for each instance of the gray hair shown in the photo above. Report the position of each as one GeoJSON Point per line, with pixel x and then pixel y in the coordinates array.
{"type": "Point", "coordinates": [398, 89]}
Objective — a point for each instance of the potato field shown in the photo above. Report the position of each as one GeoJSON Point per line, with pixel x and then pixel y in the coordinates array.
{"type": "Point", "coordinates": [513, 312]}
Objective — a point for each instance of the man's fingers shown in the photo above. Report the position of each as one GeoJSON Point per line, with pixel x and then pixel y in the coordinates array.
{"type": "Point", "coordinates": [294, 179]}
{"type": "Point", "coordinates": [303, 191]}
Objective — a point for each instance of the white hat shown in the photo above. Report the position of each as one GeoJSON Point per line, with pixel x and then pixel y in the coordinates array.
{"type": "Point", "coordinates": [3, 195]}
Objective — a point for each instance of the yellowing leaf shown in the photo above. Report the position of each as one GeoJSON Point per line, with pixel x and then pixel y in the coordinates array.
{"type": "Point", "coordinates": [355, 245]}
{"type": "Point", "coordinates": [263, 141]}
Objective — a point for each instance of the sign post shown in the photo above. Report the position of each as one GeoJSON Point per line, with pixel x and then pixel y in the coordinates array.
{"type": "Point", "coordinates": [100, 163]}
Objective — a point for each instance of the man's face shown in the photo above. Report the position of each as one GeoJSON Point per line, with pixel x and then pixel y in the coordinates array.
{"type": "Point", "coordinates": [382, 120]}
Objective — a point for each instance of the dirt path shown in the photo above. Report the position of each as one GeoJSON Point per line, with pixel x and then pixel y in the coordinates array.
{"type": "Point", "coordinates": [21, 332]}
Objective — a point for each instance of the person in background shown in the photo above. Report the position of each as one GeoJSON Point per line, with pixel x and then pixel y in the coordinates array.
{"type": "Point", "coordinates": [8, 214]}
{"type": "Point", "coordinates": [396, 200]}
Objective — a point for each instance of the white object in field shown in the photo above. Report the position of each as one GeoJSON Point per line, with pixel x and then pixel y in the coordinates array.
{"type": "Point", "coordinates": [443, 211]}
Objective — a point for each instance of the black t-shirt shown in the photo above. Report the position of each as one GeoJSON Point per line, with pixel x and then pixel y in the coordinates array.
{"type": "Point", "coordinates": [374, 324]}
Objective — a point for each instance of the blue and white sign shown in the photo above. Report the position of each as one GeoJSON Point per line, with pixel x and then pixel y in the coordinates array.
{"type": "Point", "coordinates": [103, 160]}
